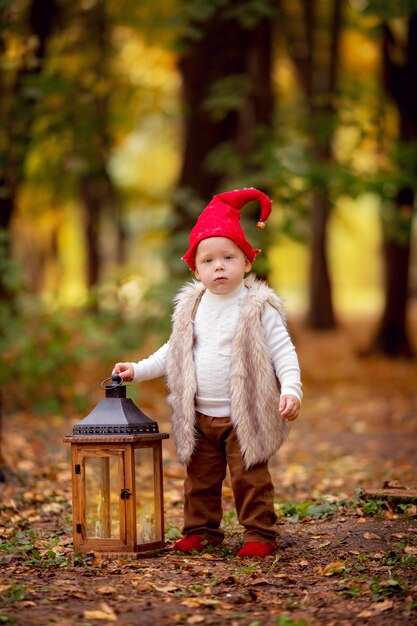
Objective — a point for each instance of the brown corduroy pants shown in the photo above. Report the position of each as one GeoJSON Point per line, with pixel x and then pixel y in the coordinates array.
{"type": "Point", "coordinates": [218, 447]}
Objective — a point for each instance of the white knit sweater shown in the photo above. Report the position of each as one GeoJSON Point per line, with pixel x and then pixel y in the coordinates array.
{"type": "Point", "coordinates": [214, 330]}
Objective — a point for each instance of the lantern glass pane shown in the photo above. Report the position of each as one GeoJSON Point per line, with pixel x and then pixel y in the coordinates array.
{"type": "Point", "coordinates": [101, 497]}
{"type": "Point", "coordinates": [145, 495]}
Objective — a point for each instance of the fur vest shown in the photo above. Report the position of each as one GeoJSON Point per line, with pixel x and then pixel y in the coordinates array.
{"type": "Point", "coordinates": [255, 390]}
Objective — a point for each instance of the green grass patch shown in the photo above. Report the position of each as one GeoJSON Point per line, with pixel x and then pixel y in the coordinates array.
{"type": "Point", "coordinates": [306, 510]}
{"type": "Point", "coordinates": [33, 549]}
{"type": "Point", "coordinates": [286, 620]}
{"type": "Point", "coordinates": [380, 589]}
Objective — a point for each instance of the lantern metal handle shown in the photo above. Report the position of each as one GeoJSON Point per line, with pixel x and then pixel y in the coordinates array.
{"type": "Point", "coordinates": [117, 381]}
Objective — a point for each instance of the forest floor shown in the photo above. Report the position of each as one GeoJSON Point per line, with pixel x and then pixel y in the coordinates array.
{"type": "Point", "coordinates": [343, 558]}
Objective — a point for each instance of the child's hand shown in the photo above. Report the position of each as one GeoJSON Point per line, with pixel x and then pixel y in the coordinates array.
{"type": "Point", "coordinates": [289, 407]}
{"type": "Point", "coordinates": [124, 370]}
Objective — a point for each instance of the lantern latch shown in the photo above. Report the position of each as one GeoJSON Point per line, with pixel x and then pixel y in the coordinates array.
{"type": "Point", "coordinates": [125, 494]}
{"type": "Point", "coordinates": [78, 469]}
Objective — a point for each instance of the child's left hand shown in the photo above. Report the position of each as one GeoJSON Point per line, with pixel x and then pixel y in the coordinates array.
{"type": "Point", "coordinates": [289, 407]}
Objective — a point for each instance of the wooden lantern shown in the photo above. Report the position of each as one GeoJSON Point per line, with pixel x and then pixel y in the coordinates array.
{"type": "Point", "coordinates": [117, 487]}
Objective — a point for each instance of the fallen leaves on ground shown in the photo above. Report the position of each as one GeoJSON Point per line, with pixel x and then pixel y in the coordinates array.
{"type": "Point", "coordinates": [340, 561]}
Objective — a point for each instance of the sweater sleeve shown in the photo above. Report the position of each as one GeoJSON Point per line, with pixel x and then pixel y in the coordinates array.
{"type": "Point", "coordinates": [282, 352]}
{"type": "Point", "coordinates": [152, 367]}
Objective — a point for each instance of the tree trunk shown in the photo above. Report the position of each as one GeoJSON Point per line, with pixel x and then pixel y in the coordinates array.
{"type": "Point", "coordinates": [96, 188]}
{"type": "Point", "coordinates": [226, 51]}
{"type": "Point", "coordinates": [6, 212]}
{"type": "Point", "coordinates": [18, 108]}
{"type": "Point", "coordinates": [320, 314]}
{"type": "Point", "coordinates": [18, 114]}
{"type": "Point", "coordinates": [202, 64]}
{"type": "Point", "coordinates": [317, 62]}
{"type": "Point", "coordinates": [392, 337]}
{"type": "Point", "coordinates": [91, 196]}
{"type": "Point", "coordinates": [98, 195]}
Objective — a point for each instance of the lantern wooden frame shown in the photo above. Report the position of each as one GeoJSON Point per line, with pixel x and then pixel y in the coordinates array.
{"type": "Point", "coordinates": [123, 449]}
{"type": "Point", "coordinates": [116, 432]}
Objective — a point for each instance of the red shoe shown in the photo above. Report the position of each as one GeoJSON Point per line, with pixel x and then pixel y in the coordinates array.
{"type": "Point", "coordinates": [188, 544]}
{"type": "Point", "coordinates": [256, 548]}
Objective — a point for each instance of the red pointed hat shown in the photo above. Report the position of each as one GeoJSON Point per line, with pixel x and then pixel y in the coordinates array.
{"type": "Point", "coordinates": [221, 218]}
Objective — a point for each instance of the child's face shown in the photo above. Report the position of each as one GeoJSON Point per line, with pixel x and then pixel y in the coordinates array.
{"type": "Point", "coordinates": [220, 264]}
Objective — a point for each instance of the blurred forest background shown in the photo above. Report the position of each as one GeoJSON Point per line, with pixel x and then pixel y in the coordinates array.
{"type": "Point", "coordinates": [120, 120]}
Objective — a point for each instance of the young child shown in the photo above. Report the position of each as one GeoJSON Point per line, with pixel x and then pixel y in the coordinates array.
{"type": "Point", "coordinates": [233, 376]}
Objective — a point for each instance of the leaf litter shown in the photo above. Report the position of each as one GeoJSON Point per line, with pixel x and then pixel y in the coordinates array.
{"type": "Point", "coordinates": [342, 558]}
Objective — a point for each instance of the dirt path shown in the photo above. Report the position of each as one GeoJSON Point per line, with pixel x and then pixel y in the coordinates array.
{"type": "Point", "coordinates": [341, 560]}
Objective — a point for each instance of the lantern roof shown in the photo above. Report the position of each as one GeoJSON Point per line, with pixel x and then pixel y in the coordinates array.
{"type": "Point", "coordinates": [116, 415]}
